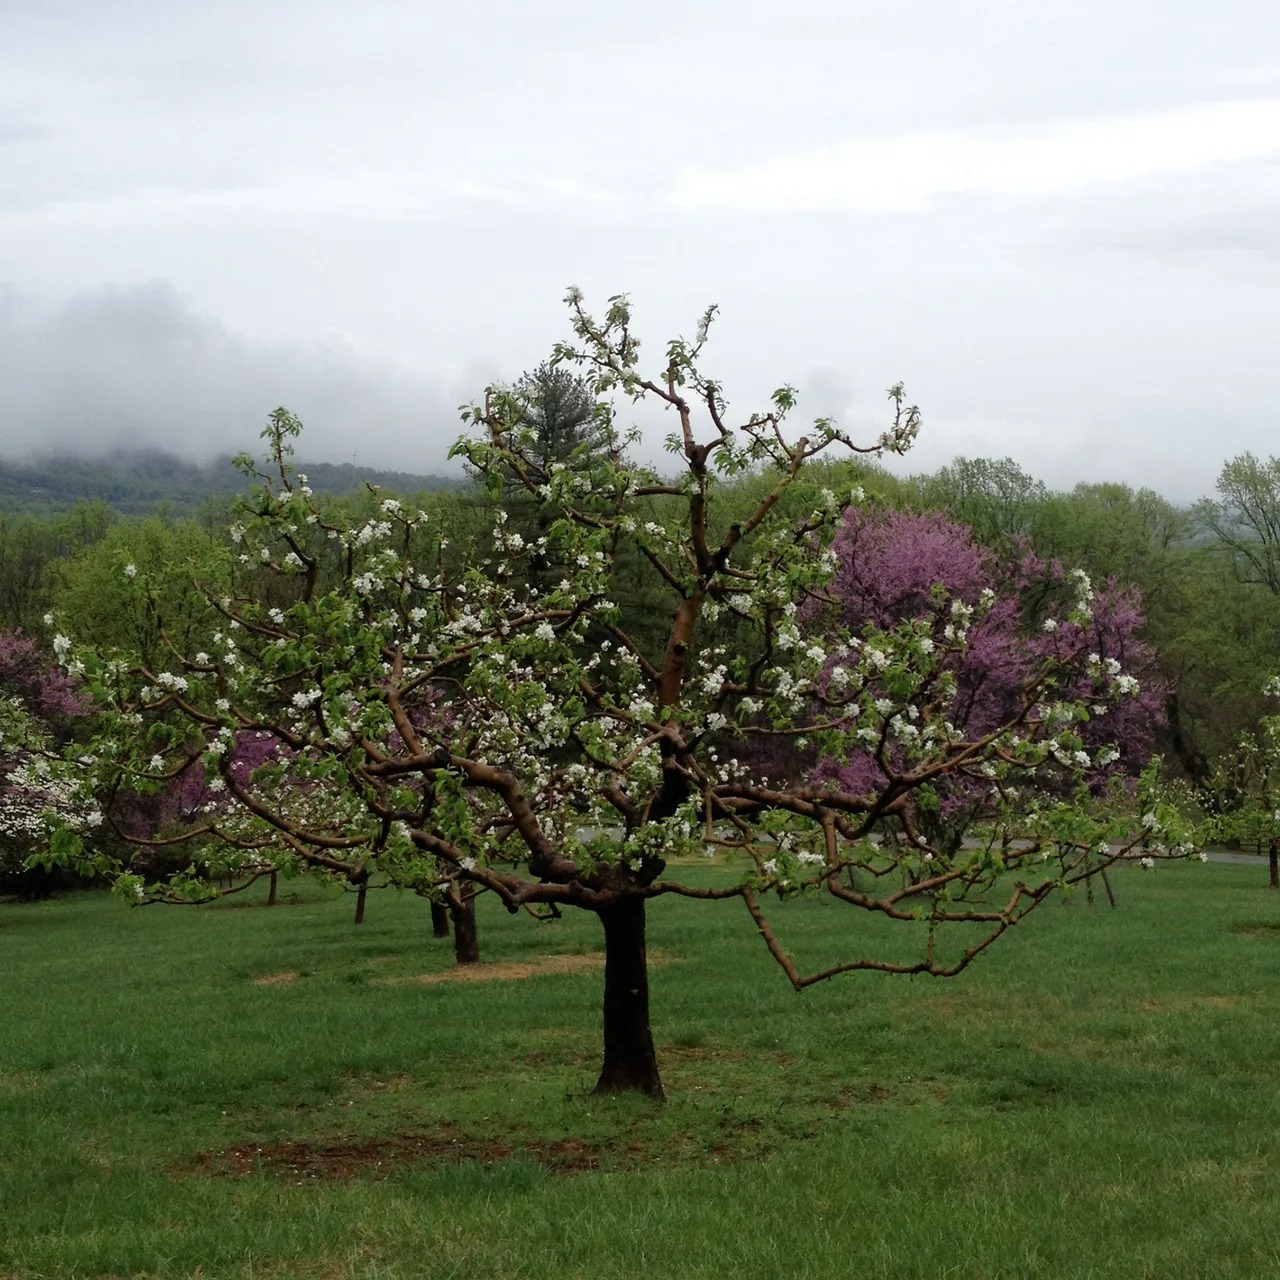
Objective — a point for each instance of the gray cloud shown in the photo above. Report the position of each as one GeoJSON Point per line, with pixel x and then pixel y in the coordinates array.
{"type": "Point", "coordinates": [138, 367]}
{"type": "Point", "coordinates": [1052, 221]}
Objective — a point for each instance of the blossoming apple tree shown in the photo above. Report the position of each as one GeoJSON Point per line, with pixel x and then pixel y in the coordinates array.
{"type": "Point", "coordinates": [492, 730]}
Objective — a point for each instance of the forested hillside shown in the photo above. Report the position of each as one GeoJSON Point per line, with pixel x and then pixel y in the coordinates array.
{"type": "Point", "coordinates": [138, 482]}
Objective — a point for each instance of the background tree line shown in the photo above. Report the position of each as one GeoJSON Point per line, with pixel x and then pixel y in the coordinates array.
{"type": "Point", "coordinates": [1207, 576]}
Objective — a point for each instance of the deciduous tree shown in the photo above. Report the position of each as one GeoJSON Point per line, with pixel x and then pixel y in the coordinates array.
{"type": "Point", "coordinates": [490, 732]}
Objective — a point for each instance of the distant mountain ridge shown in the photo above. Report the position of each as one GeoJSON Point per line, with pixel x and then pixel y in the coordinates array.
{"type": "Point", "coordinates": [137, 482]}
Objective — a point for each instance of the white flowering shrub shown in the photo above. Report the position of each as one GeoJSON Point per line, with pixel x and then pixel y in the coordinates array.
{"type": "Point", "coordinates": [501, 731]}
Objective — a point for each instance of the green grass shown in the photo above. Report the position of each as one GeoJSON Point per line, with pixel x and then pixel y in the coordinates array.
{"type": "Point", "coordinates": [1096, 1097]}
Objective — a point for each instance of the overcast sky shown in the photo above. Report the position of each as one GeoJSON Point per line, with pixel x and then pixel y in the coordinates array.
{"type": "Point", "coordinates": [1059, 224]}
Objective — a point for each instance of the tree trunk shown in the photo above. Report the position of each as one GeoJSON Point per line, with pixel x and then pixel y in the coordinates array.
{"type": "Point", "coordinates": [271, 896]}
{"type": "Point", "coordinates": [1273, 852]}
{"type": "Point", "coordinates": [630, 1063]}
{"type": "Point", "coordinates": [466, 942]}
{"type": "Point", "coordinates": [360, 896]}
{"type": "Point", "coordinates": [1106, 884]}
{"type": "Point", "coordinates": [439, 920]}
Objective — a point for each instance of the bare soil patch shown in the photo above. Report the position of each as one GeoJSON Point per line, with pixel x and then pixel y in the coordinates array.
{"type": "Point", "coordinates": [512, 971]}
{"type": "Point", "coordinates": [1260, 929]}
{"type": "Point", "coordinates": [1187, 1004]}
{"type": "Point", "coordinates": [274, 979]}
{"type": "Point", "coordinates": [508, 971]}
{"type": "Point", "coordinates": [379, 1157]}
{"type": "Point", "coordinates": [19, 1082]}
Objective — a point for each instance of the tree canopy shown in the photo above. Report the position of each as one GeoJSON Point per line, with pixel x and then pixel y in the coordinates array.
{"type": "Point", "coordinates": [475, 724]}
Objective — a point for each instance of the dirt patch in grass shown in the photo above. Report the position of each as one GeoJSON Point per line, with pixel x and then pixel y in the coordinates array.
{"type": "Point", "coordinates": [967, 1005]}
{"type": "Point", "coordinates": [443, 1145]}
{"type": "Point", "coordinates": [854, 1095]}
{"type": "Point", "coordinates": [1259, 929]}
{"type": "Point", "coordinates": [512, 971]}
{"type": "Point", "coordinates": [1188, 1004]}
{"type": "Point", "coordinates": [379, 1157]}
{"type": "Point", "coordinates": [19, 1082]}
{"type": "Point", "coordinates": [274, 979]}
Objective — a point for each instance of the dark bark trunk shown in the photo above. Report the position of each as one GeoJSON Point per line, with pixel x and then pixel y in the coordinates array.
{"type": "Point", "coordinates": [1273, 853]}
{"type": "Point", "coordinates": [630, 1063]}
{"type": "Point", "coordinates": [1106, 884]}
{"type": "Point", "coordinates": [271, 896]}
{"type": "Point", "coordinates": [360, 896]}
{"type": "Point", "coordinates": [466, 942]}
{"type": "Point", "coordinates": [439, 920]}
{"type": "Point", "coordinates": [1191, 758]}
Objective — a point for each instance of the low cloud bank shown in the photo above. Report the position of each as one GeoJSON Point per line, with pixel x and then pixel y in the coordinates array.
{"type": "Point", "coordinates": [137, 368]}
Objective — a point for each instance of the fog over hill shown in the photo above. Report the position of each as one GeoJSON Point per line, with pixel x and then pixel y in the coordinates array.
{"type": "Point", "coordinates": [137, 482]}
{"type": "Point", "coordinates": [131, 370]}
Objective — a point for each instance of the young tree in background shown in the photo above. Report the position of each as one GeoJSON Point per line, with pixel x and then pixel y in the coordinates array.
{"type": "Point", "coordinates": [1243, 792]}
{"type": "Point", "coordinates": [98, 596]}
{"type": "Point", "coordinates": [559, 411]}
{"type": "Point", "coordinates": [993, 496]}
{"type": "Point", "coordinates": [1244, 519]}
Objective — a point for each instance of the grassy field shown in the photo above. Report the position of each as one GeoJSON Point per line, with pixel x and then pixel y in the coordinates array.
{"type": "Point", "coordinates": [235, 1091]}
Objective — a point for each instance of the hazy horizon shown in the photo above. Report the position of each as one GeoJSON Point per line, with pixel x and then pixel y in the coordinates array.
{"type": "Point", "coordinates": [1057, 225]}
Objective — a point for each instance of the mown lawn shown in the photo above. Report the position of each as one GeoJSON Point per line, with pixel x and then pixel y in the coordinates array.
{"type": "Point", "coordinates": [1098, 1096]}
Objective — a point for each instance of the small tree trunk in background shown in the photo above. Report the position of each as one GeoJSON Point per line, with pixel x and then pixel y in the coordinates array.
{"type": "Point", "coordinates": [271, 896]}
{"type": "Point", "coordinates": [439, 920]}
{"type": "Point", "coordinates": [1106, 884]}
{"type": "Point", "coordinates": [1273, 853]}
{"type": "Point", "coordinates": [466, 942]}
{"type": "Point", "coordinates": [360, 896]}
{"type": "Point", "coordinates": [630, 1063]}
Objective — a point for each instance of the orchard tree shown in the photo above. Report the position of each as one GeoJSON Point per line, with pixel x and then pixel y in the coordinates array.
{"type": "Point", "coordinates": [1242, 794]}
{"type": "Point", "coordinates": [492, 733]}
